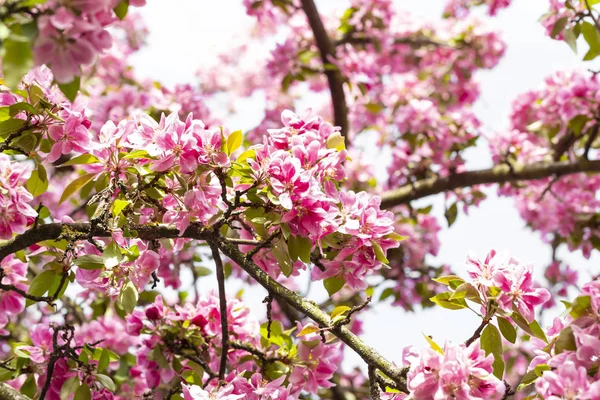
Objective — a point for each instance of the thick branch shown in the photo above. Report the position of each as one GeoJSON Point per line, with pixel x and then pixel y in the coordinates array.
{"type": "Point", "coordinates": [499, 174]}
{"type": "Point", "coordinates": [196, 231]}
{"type": "Point", "coordinates": [334, 76]}
{"type": "Point", "coordinates": [368, 354]}
{"type": "Point", "coordinates": [8, 393]}
{"type": "Point", "coordinates": [57, 230]}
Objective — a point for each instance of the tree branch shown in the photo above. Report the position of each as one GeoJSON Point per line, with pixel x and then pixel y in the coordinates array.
{"type": "Point", "coordinates": [197, 231]}
{"type": "Point", "coordinates": [499, 174]}
{"type": "Point", "coordinates": [56, 230]}
{"type": "Point", "coordinates": [9, 393]}
{"type": "Point", "coordinates": [222, 309]}
{"type": "Point", "coordinates": [367, 353]}
{"type": "Point", "coordinates": [334, 76]}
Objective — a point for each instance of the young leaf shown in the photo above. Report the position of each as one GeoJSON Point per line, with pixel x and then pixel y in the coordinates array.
{"type": "Point", "coordinates": [340, 310]}
{"type": "Point", "coordinates": [443, 300]}
{"type": "Point", "coordinates": [83, 393]}
{"type": "Point", "coordinates": [433, 344]}
{"type": "Point", "coordinates": [69, 387]}
{"type": "Point", "coordinates": [304, 248]}
{"type": "Point", "coordinates": [491, 342]}
{"type": "Point", "coordinates": [379, 253]}
{"type": "Point", "coordinates": [80, 160]}
{"type": "Point", "coordinates": [112, 255]}
{"type": "Point", "coordinates": [75, 186]}
{"type": "Point", "coordinates": [121, 9]}
{"type": "Point", "coordinates": [128, 297]}
{"type": "Point", "coordinates": [37, 183]}
{"type": "Point", "coordinates": [89, 262]}
{"type": "Point", "coordinates": [508, 331]}
{"type": "Point", "coordinates": [70, 89]}
{"type": "Point", "coordinates": [119, 205]}
{"type": "Point", "coordinates": [106, 381]}
{"type": "Point", "coordinates": [234, 141]}
{"type": "Point", "coordinates": [333, 284]}
{"type": "Point", "coordinates": [308, 329]}
{"type": "Point", "coordinates": [17, 60]}
{"type": "Point", "coordinates": [40, 284]}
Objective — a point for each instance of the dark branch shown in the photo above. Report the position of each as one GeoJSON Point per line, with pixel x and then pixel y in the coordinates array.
{"type": "Point", "coordinates": [499, 174]}
{"type": "Point", "coordinates": [222, 309]}
{"type": "Point", "coordinates": [334, 76]}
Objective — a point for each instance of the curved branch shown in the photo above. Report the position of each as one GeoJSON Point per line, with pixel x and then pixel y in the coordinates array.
{"type": "Point", "coordinates": [499, 174]}
{"type": "Point", "coordinates": [367, 353]}
{"type": "Point", "coordinates": [9, 393]}
{"type": "Point", "coordinates": [334, 76]}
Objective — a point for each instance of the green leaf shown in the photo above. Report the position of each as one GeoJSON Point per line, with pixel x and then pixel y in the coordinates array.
{"type": "Point", "coordinates": [75, 186]}
{"type": "Point", "coordinates": [443, 300]}
{"type": "Point", "coordinates": [137, 154]}
{"type": "Point", "coordinates": [451, 214]}
{"type": "Point", "coordinates": [491, 342]}
{"type": "Point", "coordinates": [10, 125]}
{"type": "Point", "coordinates": [112, 255]}
{"type": "Point", "coordinates": [83, 393]}
{"type": "Point", "coordinates": [379, 253]}
{"type": "Point", "coordinates": [29, 387]}
{"type": "Point", "coordinates": [336, 141]}
{"type": "Point", "coordinates": [281, 253]}
{"type": "Point", "coordinates": [128, 297]}
{"type": "Point", "coordinates": [433, 344]}
{"type": "Point", "coordinates": [89, 262]}
{"type": "Point", "coordinates": [308, 329]}
{"type": "Point", "coordinates": [591, 35]}
{"type": "Point", "coordinates": [121, 9]}
{"type": "Point", "coordinates": [234, 141]}
{"type": "Point", "coordinates": [80, 160]}
{"type": "Point", "coordinates": [527, 379]}
{"type": "Point", "coordinates": [70, 89]}
{"type": "Point", "coordinates": [17, 61]}
{"type": "Point", "coordinates": [447, 279]}
{"type": "Point", "coordinates": [104, 360]}
{"type": "Point", "coordinates": [40, 284]}
{"type": "Point", "coordinates": [532, 329]}
{"type": "Point", "coordinates": [304, 248]}
{"type": "Point", "coordinates": [565, 341]}
{"type": "Point", "coordinates": [119, 205]}
{"type": "Point", "coordinates": [340, 310]}
{"type": "Point", "coordinates": [559, 26]}
{"type": "Point", "coordinates": [69, 387]}
{"type": "Point", "coordinates": [4, 113]}
{"type": "Point", "coordinates": [507, 329]}
{"type": "Point", "coordinates": [16, 108]}
{"type": "Point", "coordinates": [333, 284]}
{"type": "Point", "coordinates": [37, 183]}
{"type": "Point", "coordinates": [466, 290]}
{"type": "Point", "coordinates": [580, 306]}
{"type": "Point", "coordinates": [251, 153]}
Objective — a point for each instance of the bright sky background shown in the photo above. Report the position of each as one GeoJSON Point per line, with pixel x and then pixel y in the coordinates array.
{"type": "Point", "coordinates": [186, 33]}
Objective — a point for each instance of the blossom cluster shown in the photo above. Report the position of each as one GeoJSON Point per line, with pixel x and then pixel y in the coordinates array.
{"type": "Point", "coordinates": [12, 272]}
{"type": "Point", "coordinates": [555, 122]}
{"type": "Point", "coordinates": [457, 371]}
{"type": "Point", "coordinates": [307, 365]}
{"type": "Point", "coordinates": [15, 211]}
{"type": "Point", "coordinates": [570, 370]}
{"type": "Point", "coordinates": [72, 36]}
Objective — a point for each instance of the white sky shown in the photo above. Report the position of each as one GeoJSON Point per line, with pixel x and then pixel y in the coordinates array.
{"type": "Point", "coordinates": [186, 33]}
